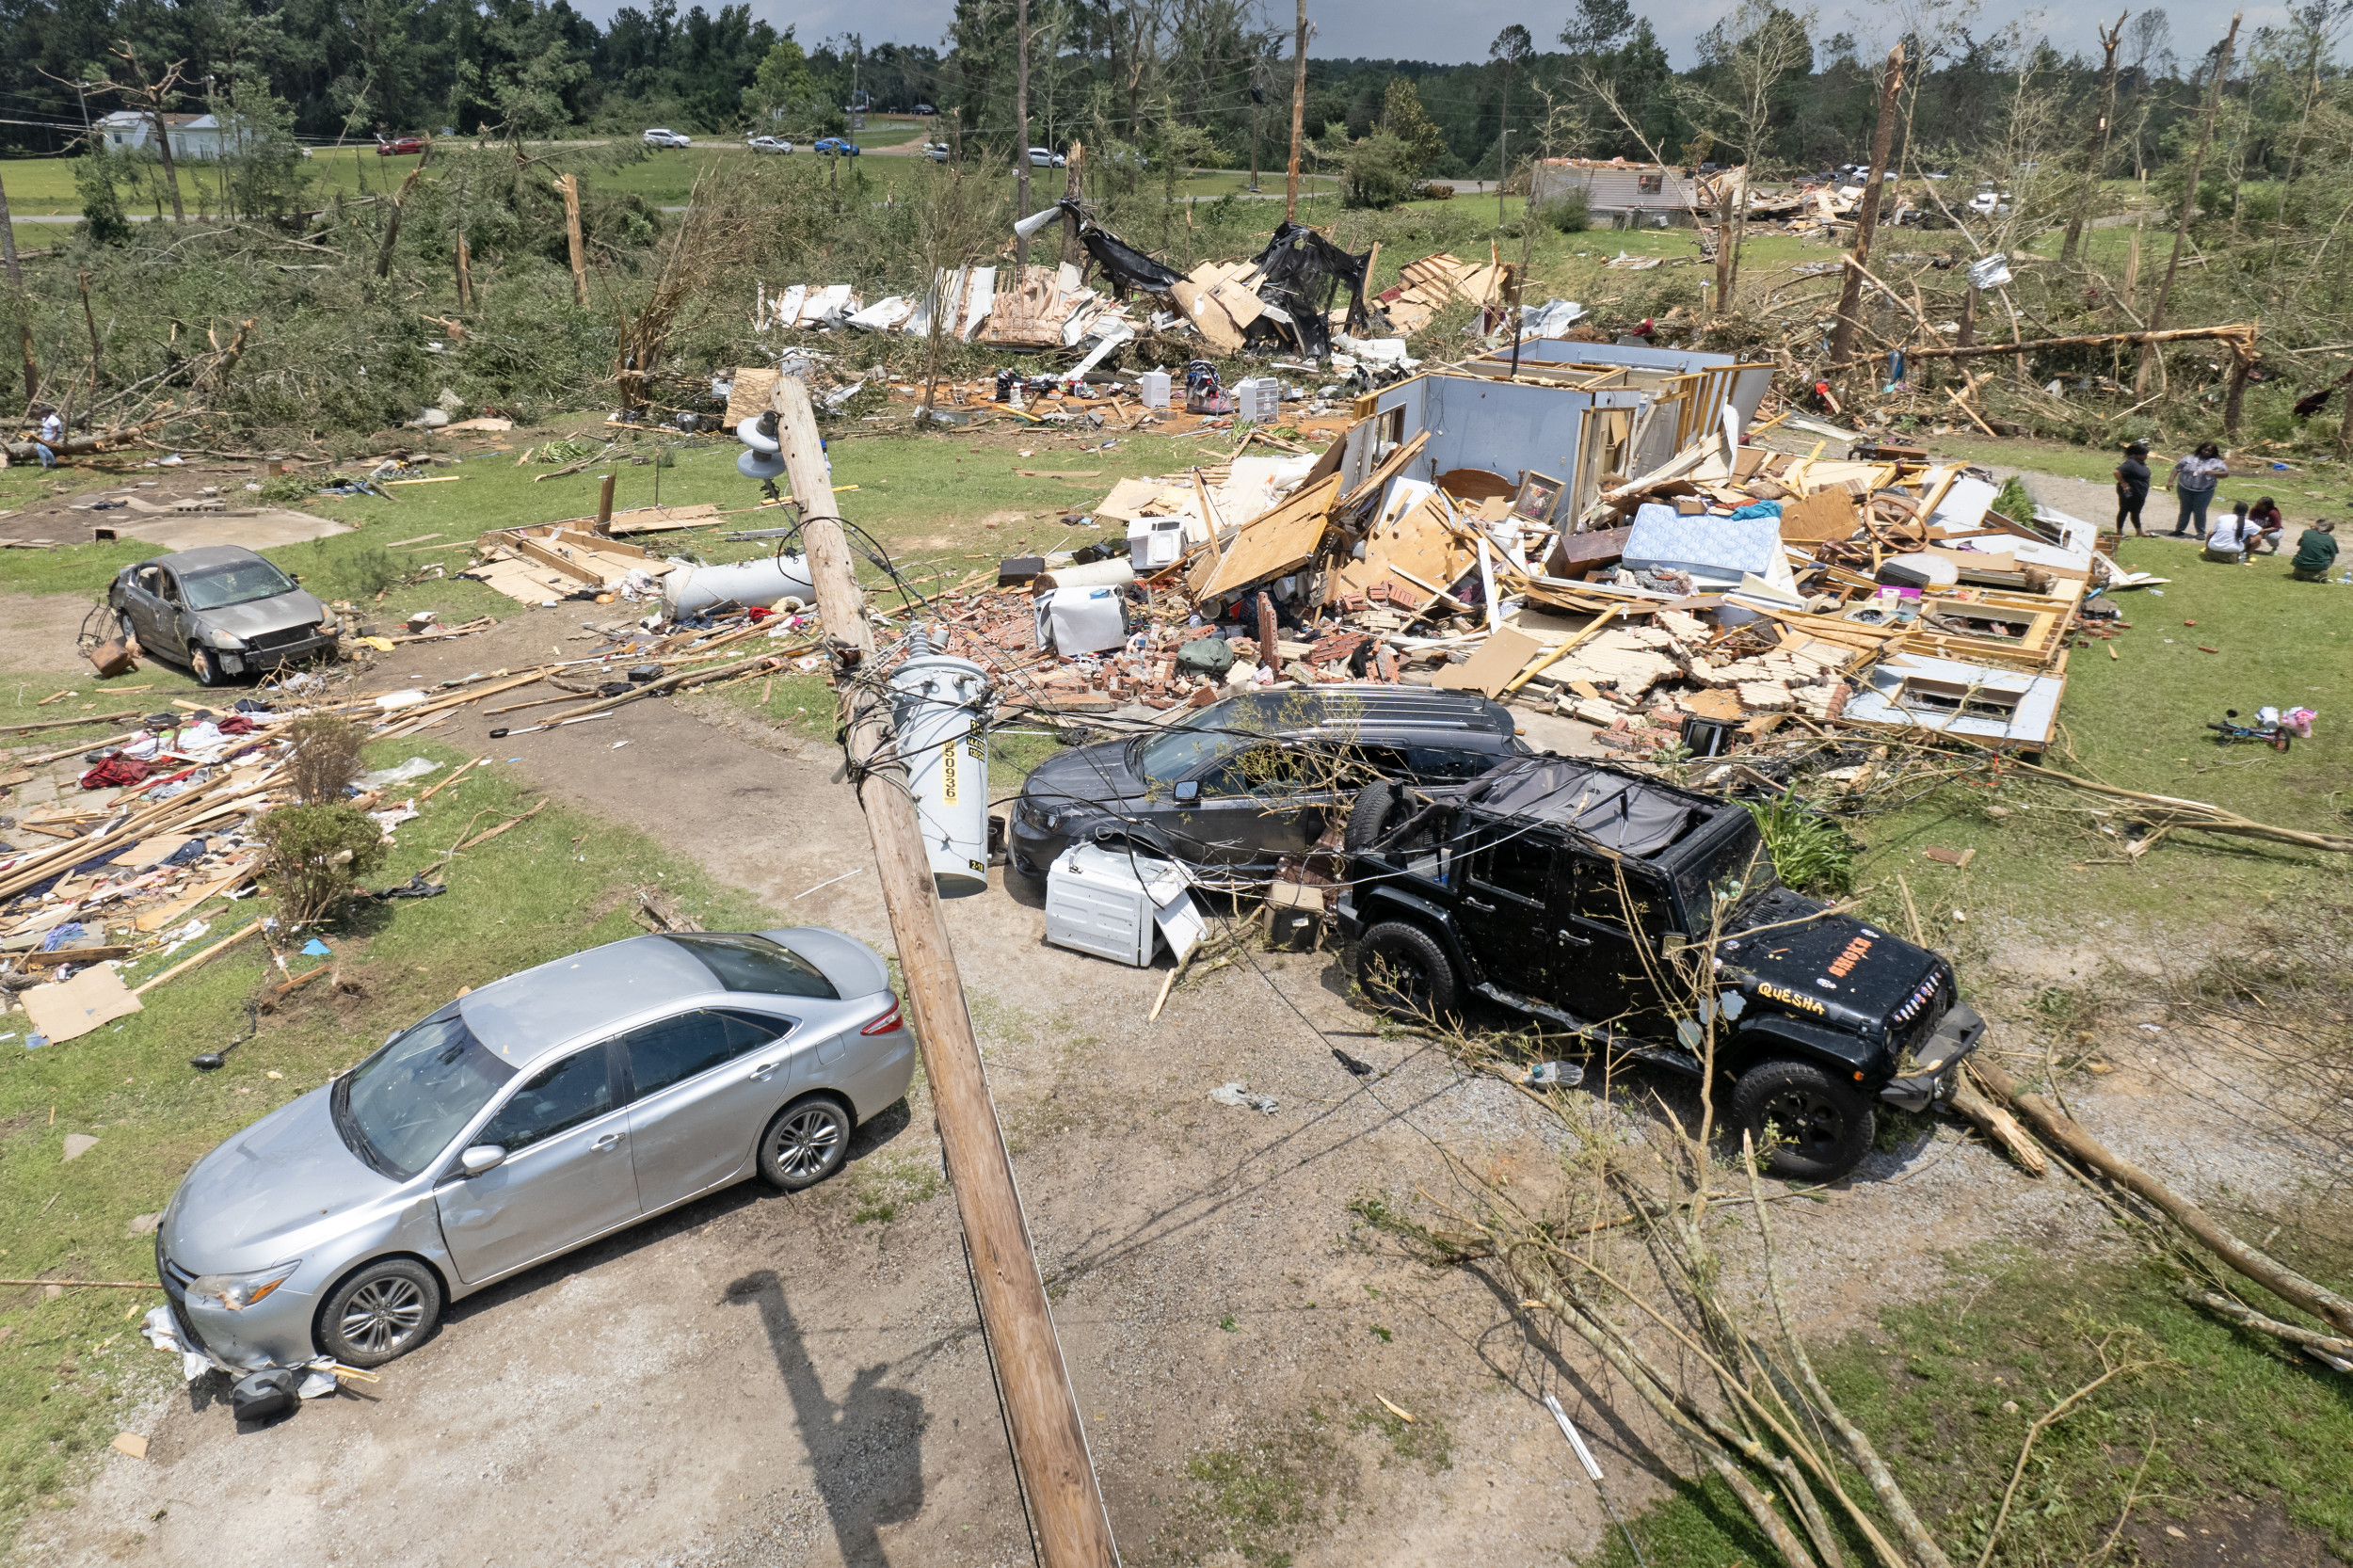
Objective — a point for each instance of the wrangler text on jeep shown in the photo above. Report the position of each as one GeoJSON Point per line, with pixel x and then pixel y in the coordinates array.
{"type": "Point", "coordinates": [1581, 896]}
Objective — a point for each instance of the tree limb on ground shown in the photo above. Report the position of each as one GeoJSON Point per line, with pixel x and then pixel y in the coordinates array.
{"type": "Point", "coordinates": [2070, 1136]}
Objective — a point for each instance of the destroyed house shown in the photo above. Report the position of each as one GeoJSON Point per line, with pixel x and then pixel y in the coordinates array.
{"type": "Point", "coordinates": [1508, 429]}
{"type": "Point", "coordinates": [1628, 196]}
{"type": "Point", "coordinates": [1686, 389]}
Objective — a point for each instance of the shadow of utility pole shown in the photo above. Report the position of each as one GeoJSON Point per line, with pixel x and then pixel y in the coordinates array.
{"type": "Point", "coordinates": [866, 1453]}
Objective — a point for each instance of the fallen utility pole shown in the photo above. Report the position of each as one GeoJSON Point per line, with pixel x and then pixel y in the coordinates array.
{"type": "Point", "coordinates": [1050, 1446]}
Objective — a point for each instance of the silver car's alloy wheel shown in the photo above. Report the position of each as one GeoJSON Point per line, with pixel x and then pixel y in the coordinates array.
{"type": "Point", "coordinates": [383, 1314]}
{"type": "Point", "coordinates": [806, 1141]}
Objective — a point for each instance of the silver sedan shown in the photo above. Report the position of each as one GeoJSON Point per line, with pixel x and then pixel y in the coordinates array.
{"type": "Point", "coordinates": [522, 1120]}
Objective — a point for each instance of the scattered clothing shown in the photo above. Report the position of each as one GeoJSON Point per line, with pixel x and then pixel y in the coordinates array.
{"type": "Point", "coordinates": [116, 769]}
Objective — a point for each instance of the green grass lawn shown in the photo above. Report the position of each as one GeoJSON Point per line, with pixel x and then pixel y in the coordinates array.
{"type": "Point", "coordinates": [2138, 721]}
{"type": "Point", "coordinates": [2230, 1419]}
{"type": "Point", "coordinates": [72, 1368]}
{"type": "Point", "coordinates": [926, 495]}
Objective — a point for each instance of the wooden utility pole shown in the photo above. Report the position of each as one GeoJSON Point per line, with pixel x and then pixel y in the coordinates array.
{"type": "Point", "coordinates": [1299, 112]}
{"type": "Point", "coordinates": [1021, 125]}
{"type": "Point", "coordinates": [1049, 1441]}
{"type": "Point", "coordinates": [2149, 353]}
{"type": "Point", "coordinates": [1866, 220]}
{"type": "Point", "coordinates": [570, 185]}
{"type": "Point", "coordinates": [2096, 155]}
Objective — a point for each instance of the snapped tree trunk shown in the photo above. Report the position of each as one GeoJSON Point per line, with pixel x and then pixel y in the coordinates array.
{"type": "Point", "coordinates": [2149, 353]}
{"type": "Point", "coordinates": [1021, 129]}
{"type": "Point", "coordinates": [2096, 155]}
{"type": "Point", "coordinates": [1299, 113]}
{"type": "Point", "coordinates": [8, 243]}
{"type": "Point", "coordinates": [1867, 220]}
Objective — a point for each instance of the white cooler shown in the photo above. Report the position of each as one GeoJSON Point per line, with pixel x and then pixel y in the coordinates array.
{"type": "Point", "coordinates": [1153, 385]}
{"type": "Point", "coordinates": [1117, 903]}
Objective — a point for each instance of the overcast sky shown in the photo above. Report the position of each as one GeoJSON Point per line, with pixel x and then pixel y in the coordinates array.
{"type": "Point", "coordinates": [1416, 30]}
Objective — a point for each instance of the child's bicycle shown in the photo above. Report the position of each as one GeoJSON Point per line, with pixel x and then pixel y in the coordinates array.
{"type": "Point", "coordinates": [2277, 737]}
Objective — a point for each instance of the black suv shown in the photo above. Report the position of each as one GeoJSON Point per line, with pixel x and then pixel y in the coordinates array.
{"type": "Point", "coordinates": [1565, 892]}
{"type": "Point", "coordinates": [1246, 781]}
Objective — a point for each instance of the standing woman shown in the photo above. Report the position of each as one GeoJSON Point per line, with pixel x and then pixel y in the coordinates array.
{"type": "Point", "coordinates": [2194, 481]}
{"type": "Point", "coordinates": [2132, 488]}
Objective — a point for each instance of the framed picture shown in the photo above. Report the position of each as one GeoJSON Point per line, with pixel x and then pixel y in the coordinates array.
{"type": "Point", "coordinates": [1539, 495]}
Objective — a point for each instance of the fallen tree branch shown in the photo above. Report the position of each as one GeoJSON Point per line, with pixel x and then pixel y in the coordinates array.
{"type": "Point", "coordinates": [2336, 1353]}
{"type": "Point", "coordinates": [2273, 1275]}
{"type": "Point", "coordinates": [2049, 1418]}
{"type": "Point", "coordinates": [2240, 334]}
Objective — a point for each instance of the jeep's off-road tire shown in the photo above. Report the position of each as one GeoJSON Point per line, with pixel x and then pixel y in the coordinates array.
{"type": "Point", "coordinates": [1406, 974]}
{"type": "Point", "coordinates": [1368, 816]}
{"type": "Point", "coordinates": [1819, 1128]}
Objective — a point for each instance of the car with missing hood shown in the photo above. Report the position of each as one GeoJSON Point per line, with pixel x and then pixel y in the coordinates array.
{"type": "Point", "coordinates": [1584, 897]}
{"type": "Point", "coordinates": [221, 610]}
{"type": "Point", "coordinates": [1246, 781]}
{"type": "Point", "coordinates": [528, 1117]}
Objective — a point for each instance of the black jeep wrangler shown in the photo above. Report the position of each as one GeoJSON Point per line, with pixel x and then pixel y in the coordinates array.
{"type": "Point", "coordinates": [1568, 891]}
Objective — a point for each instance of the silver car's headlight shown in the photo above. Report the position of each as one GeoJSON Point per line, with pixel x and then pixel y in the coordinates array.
{"type": "Point", "coordinates": [226, 640]}
{"type": "Point", "coordinates": [235, 1292]}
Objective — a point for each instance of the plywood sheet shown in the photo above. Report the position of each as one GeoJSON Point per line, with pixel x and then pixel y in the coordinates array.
{"type": "Point", "coordinates": [1820, 517]}
{"type": "Point", "coordinates": [1283, 540]}
{"type": "Point", "coordinates": [1489, 670]}
{"type": "Point", "coordinates": [1420, 543]}
{"type": "Point", "coordinates": [748, 395]}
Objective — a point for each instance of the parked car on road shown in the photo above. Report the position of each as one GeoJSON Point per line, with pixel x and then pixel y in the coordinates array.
{"type": "Point", "coordinates": [399, 147]}
{"type": "Point", "coordinates": [528, 1117]}
{"type": "Point", "coordinates": [658, 136]}
{"type": "Point", "coordinates": [769, 144]}
{"type": "Point", "coordinates": [835, 147]}
{"type": "Point", "coordinates": [1563, 890]}
{"type": "Point", "coordinates": [1045, 157]}
{"type": "Point", "coordinates": [1259, 775]}
{"type": "Point", "coordinates": [221, 610]}
{"type": "Point", "coordinates": [925, 108]}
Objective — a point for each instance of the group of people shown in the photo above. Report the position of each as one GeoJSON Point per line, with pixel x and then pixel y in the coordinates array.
{"type": "Point", "coordinates": [2248, 531]}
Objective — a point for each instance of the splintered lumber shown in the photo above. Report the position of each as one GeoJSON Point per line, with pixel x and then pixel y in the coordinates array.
{"type": "Point", "coordinates": [1042, 1418]}
{"type": "Point", "coordinates": [1993, 1120]}
{"type": "Point", "coordinates": [2068, 1134]}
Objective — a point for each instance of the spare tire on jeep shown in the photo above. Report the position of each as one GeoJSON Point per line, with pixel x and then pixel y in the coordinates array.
{"type": "Point", "coordinates": [1375, 803]}
{"type": "Point", "coordinates": [1816, 1127]}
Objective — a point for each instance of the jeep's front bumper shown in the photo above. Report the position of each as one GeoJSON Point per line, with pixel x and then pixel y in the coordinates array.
{"type": "Point", "coordinates": [1929, 1077]}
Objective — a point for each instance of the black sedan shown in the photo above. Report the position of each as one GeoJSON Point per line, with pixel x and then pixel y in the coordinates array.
{"type": "Point", "coordinates": [1246, 781]}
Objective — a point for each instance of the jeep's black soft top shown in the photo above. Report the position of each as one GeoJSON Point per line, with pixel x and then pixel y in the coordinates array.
{"type": "Point", "coordinates": [1622, 811]}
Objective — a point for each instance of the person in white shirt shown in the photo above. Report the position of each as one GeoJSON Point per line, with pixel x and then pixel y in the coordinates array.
{"type": "Point", "coordinates": [2231, 536]}
{"type": "Point", "coordinates": [51, 437]}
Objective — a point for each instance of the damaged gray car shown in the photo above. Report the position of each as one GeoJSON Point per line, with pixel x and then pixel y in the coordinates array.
{"type": "Point", "coordinates": [221, 610]}
{"type": "Point", "coordinates": [527, 1118]}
